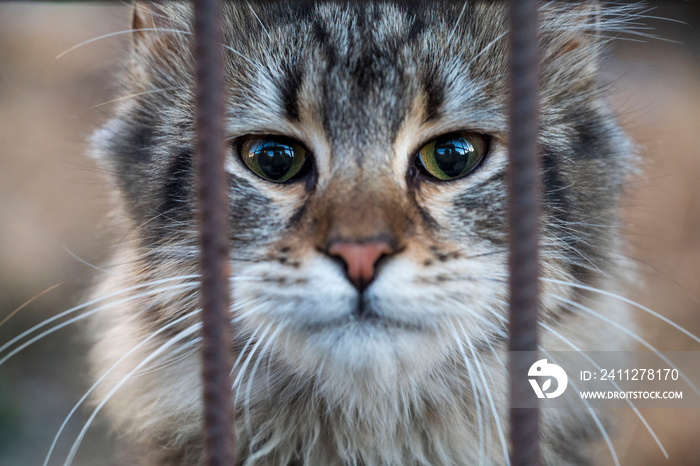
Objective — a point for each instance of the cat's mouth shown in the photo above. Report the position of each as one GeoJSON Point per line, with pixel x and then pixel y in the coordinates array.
{"type": "Point", "coordinates": [365, 316]}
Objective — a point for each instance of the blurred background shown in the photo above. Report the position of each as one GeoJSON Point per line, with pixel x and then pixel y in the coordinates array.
{"type": "Point", "coordinates": [53, 208]}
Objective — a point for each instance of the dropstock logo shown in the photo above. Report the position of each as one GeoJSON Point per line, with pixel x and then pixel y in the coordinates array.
{"type": "Point", "coordinates": [547, 371]}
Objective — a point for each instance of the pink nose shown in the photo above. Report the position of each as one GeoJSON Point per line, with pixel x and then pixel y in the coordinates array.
{"type": "Point", "coordinates": [360, 260]}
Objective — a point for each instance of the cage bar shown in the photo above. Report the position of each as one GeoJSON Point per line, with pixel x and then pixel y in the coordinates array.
{"type": "Point", "coordinates": [523, 222]}
{"type": "Point", "coordinates": [214, 235]}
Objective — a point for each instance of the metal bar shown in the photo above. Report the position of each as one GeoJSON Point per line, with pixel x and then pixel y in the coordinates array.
{"type": "Point", "coordinates": [523, 218]}
{"type": "Point", "coordinates": [214, 236]}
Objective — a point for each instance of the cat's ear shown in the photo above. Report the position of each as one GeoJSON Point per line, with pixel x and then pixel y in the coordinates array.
{"type": "Point", "coordinates": [578, 38]}
{"type": "Point", "coordinates": [155, 24]}
{"type": "Point", "coordinates": [146, 19]}
{"type": "Point", "coordinates": [582, 26]}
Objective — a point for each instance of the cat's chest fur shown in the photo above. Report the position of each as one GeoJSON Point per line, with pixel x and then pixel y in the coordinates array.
{"type": "Point", "coordinates": [367, 188]}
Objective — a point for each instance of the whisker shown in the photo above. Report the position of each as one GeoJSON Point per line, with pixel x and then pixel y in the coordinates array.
{"type": "Point", "coordinates": [138, 94]}
{"type": "Point", "coordinates": [488, 394]}
{"type": "Point", "coordinates": [589, 359]}
{"type": "Point", "coordinates": [472, 380]}
{"type": "Point", "coordinates": [250, 62]}
{"type": "Point", "coordinates": [628, 301]}
{"type": "Point", "coordinates": [247, 344]}
{"type": "Point", "coordinates": [628, 332]}
{"type": "Point", "coordinates": [246, 401]}
{"type": "Point", "coordinates": [483, 388]}
{"type": "Point", "coordinates": [486, 48]}
{"type": "Point", "coordinates": [259, 21]}
{"type": "Point", "coordinates": [593, 414]}
{"type": "Point", "coordinates": [118, 33]}
{"type": "Point", "coordinates": [106, 374]}
{"type": "Point", "coordinates": [459, 18]}
{"type": "Point", "coordinates": [237, 382]}
{"type": "Point", "coordinates": [88, 304]}
{"type": "Point", "coordinates": [586, 403]}
{"type": "Point", "coordinates": [84, 262]}
{"type": "Point", "coordinates": [76, 319]}
{"type": "Point", "coordinates": [250, 311]}
{"type": "Point", "coordinates": [28, 302]}
{"type": "Point", "coordinates": [172, 358]}
{"type": "Point", "coordinates": [182, 335]}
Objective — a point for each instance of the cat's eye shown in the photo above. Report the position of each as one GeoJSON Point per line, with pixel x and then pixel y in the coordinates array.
{"type": "Point", "coordinates": [273, 158]}
{"type": "Point", "coordinates": [453, 155]}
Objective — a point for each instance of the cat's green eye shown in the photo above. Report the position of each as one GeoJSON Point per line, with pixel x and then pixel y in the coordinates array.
{"type": "Point", "coordinates": [453, 155]}
{"type": "Point", "coordinates": [273, 158]}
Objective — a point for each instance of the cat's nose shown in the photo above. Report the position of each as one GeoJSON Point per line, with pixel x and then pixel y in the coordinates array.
{"type": "Point", "coordinates": [360, 260]}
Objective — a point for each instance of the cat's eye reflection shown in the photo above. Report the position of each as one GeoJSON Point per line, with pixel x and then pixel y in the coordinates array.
{"type": "Point", "coordinates": [453, 155]}
{"type": "Point", "coordinates": [273, 158]}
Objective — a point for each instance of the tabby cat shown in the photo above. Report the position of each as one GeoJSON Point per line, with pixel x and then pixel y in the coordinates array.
{"type": "Point", "coordinates": [367, 157]}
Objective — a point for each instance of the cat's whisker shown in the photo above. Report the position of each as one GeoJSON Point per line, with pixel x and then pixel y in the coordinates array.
{"type": "Point", "coordinates": [554, 250]}
{"type": "Point", "coordinates": [472, 351]}
{"type": "Point", "coordinates": [236, 52]}
{"type": "Point", "coordinates": [88, 304]}
{"type": "Point", "coordinates": [27, 303]}
{"type": "Point", "coordinates": [486, 254]}
{"type": "Point", "coordinates": [475, 392]}
{"type": "Point", "coordinates": [625, 300]}
{"type": "Point", "coordinates": [259, 21]}
{"type": "Point", "coordinates": [459, 18]}
{"type": "Point", "coordinates": [247, 279]}
{"type": "Point", "coordinates": [501, 434]}
{"type": "Point", "coordinates": [242, 353]}
{"type": "Point", "coordinates": [137, 94]}
{"type": "Point", "coordinates": [180, 336]}
{"type": "Point", "coordinates": [486, 48]}
{"type": "Point", "coordinates": [241, 372]}
{"type": "Point", "coordinates": [75, 319]}
{"type": "Point", "coordinates": [502, 332]}
{"type": "Point", "coordinates": [172, 357]}
{"type": "Point", "coordinates": [250, 311]}
{"type": "Point", "coordinates": [489, 429]}
{"type": "Point", "coordinates": [251, 377]}
{"type": "Point", "coordinates": [106, 374]}
{"type": "Point", "coordinates": [488, 392]}
{"type": "Point", "coordinates": [119, 33]}
{"type": "Point", "coordinates": [629, 402]}
{"type": "Point", "coordinates": [593, 414]}
{"type": "Point", "coordinates": [572, 304]}
{"type": "Point", "coordinates": [84, 262]}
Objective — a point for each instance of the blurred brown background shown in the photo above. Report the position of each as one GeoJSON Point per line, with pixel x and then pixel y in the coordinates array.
{"type": "Point", "coordinates": [53, 205]}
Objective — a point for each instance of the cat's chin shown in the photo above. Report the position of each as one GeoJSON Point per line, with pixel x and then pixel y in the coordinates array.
{"type": "Point", "coordinates": [365, 348]}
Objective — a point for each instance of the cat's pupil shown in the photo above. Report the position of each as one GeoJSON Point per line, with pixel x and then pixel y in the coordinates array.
{"type": "Point", "coordinates": [452, 156]}
{"type": "Point", "coordinates": [275, 158]}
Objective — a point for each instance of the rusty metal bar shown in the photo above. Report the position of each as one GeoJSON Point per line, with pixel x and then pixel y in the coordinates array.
{"type": "Point", "coordinates": [523, 218]}
{"type": "Point", "coordinates": [214, 236]}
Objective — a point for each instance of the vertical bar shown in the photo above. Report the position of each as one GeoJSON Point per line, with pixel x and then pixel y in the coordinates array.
{"type": "Point", "coordinates": [523, 218]}
{"type": "Point", "coordinates": [214, 236]}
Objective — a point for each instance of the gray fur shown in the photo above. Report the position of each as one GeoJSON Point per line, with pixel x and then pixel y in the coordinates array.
{"type": "Point", "coordinates": [363, 86]}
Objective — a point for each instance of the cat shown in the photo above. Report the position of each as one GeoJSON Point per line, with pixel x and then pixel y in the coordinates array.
{"type": "Point", "coordinates": [367, 156]}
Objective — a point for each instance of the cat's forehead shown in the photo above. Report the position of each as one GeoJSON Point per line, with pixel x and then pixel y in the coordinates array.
{"type": "Point", "coordinates": [357, 74]}
{"type": "Point", "coordinates": [360, 70]}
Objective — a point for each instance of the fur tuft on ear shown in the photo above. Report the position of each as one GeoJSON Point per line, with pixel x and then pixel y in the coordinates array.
{"type": "Point", "coordinates": [147, 19]}
{"type": "Point", "coordinates": [155, 23]}
{"type": "Point", "coordinates": [583, 26]}
{"type": "Point", "coordinates": [161, 39]}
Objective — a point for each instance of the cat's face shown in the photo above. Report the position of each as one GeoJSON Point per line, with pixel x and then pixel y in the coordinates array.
{"type": "Point", "coordinates": [350, 255]}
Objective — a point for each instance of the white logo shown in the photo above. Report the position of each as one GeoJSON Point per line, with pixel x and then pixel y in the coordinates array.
{"type": "Point", "coordinates": [544, 369]}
